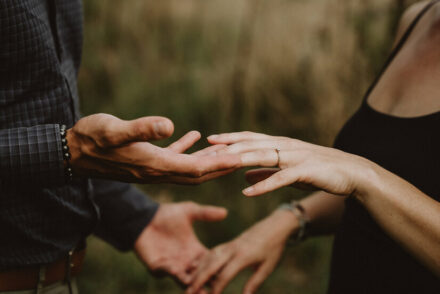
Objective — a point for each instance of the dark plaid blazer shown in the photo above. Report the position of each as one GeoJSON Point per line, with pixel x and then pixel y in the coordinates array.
{"type": "Point", "coordinates": [41, 217]}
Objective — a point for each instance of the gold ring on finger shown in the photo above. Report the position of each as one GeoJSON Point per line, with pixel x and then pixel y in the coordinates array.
{"type": "Point", "coordinates": [278, 157]}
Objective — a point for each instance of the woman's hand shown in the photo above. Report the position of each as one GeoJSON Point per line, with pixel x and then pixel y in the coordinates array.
{"type": "Point", "coordinates": [259, 247]}
{"type": "Point", "coordinates": [303, 165]}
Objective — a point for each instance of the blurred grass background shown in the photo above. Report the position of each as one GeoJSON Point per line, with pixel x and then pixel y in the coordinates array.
{"type": "Point", "coordinates": [295, 68]}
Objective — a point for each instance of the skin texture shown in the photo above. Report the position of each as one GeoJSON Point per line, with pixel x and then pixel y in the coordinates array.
{"type": "Point", "coordinates": [409, 216]}
{"type": "Point", "coordinates": [169, 245]}
{"type": "Point", "coordinates": [104, 146]}
{"type": "Point", "coordinates": [404, 212]}
{"type": "Point", "coordinates": [248, 250]}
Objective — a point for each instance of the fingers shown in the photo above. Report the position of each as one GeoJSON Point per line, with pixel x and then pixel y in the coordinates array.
{"type": "Point", "coordinates": [280, 179]}
{"type": "Point", "coordinates": [185, 180]}
{"type": "Point", "coordinates": [180, 269]}
{"type": "Point", "coordinates": [197, 166]}
{"type": "Point", "coordinates": [209, 266]}
{"type": "Point", "coordinates": [226, 275]}
{"type": "Point", "coordinates": [149, 128]}
{"type": "Point", "coordinates": [230, 138]}
{"type": "Point", "coordinates": [273, 143]}
{"type": "Point", "coordinates": [178, 274]}
{"type": "Point", "coordinates": [257, 175]}
{"type": "Point", "coordinates": [272, 157]}
{"type": "Point", "coordinates": [186, 142]}
{"type": "Point", "coordinates": [209, 150]}
{"type": "Point", "coordinates": [184, 277]}
{"type": "Point", "coordinates": [264, 157]}
{"type": "Point", "coordinates": [206, 213]}
{"type": "Point", "coordinates": [259, 277]}
{"type": "Point", "coordinates": [119, 132]}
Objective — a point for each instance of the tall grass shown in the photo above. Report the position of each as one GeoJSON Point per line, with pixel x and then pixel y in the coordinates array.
{"type": "Point", "coordinates": [287, 67]}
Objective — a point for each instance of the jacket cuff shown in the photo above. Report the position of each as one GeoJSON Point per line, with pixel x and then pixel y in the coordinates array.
{"type": "Point", "coordinates": [31, 156]}
{"type": "Point", "coordinates": [125, 212]}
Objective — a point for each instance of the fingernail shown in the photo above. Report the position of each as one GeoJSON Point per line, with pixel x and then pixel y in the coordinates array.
{"type": "Point", "coordinates": [212, 153]}
{"type": "Point", "coordinates": [249, 190]}
{"type": "Point", "coordinates": [160, 128]}
{"type": "Point", "coordinates": [213, 137]}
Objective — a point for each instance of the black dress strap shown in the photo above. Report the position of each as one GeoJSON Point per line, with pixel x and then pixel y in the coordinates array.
{"type": "Point", "coordinates": [399, 46]}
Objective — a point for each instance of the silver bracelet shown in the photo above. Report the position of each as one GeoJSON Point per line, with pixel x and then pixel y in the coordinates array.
{"type": "Point", "coordinates": [298, 210]}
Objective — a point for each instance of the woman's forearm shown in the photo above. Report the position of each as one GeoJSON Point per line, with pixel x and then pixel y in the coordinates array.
{"type": "Point", "coordinates": [324, 211]}
{"type": "Point", "coordinates": [408, 215]}
{"type": "Point", "coordinates": [405, 213]}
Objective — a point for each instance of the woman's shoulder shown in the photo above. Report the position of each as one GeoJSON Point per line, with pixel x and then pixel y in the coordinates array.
{"type": "Point", "coordinates": [411, 13]}
{"type": "Point", "coordinates": [409, 16]}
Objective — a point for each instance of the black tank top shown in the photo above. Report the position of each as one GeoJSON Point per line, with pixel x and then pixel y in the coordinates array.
{"type": "Point", "coordinates": [365, 259]}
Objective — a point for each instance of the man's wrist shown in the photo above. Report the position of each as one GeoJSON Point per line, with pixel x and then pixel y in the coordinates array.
{"type": "Point", "coordinates": [75, 151]}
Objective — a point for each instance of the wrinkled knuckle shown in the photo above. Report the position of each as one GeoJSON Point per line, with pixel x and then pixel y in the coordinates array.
{"type": "Point", "coordinates": [140, 132]}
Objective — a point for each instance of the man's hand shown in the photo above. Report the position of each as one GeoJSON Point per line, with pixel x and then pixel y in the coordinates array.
{"type": "Point", "coordinates": [105, 146]}
{"type": "Point", "coordinates": [168, 244]}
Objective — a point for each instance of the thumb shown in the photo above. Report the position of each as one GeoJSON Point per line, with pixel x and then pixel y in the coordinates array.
{"type": "Point", "coordinates": [146, 129]}
{"type": "Point", "coordinates": [207, 213]}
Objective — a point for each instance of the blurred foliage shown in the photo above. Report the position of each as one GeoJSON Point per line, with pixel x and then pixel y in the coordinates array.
{"type": "Point", "coordinates": [295, 68]}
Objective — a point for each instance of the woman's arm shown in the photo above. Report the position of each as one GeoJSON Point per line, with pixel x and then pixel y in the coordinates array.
{"type": "Point", "coordinates": [262, 245]}
{"type": "Point", "coordinates": [404, 212]}
{"type": "Point", "coordinates": [408, 215]}
{"type": "Point", "coordinates": [323, 210]}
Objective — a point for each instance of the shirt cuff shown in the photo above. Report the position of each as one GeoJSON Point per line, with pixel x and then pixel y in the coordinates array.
{"type": "Point", "coordinates": [31, 156]}
{"type": "Point", "coordinates": [125, 212]}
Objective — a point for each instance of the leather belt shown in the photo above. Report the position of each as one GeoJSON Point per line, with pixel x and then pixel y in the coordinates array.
{"type": "Point", "coordinates": [28, 278]}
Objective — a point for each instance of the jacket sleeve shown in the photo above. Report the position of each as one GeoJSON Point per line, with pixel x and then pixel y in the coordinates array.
{"type": "Point", "coordinates": [31, 156]}
{"type": "Point", "coordinates": [125, 212]}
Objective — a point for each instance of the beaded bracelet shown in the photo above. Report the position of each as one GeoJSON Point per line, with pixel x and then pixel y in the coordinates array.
{"type": "Point", "coordinates": [66, 154]}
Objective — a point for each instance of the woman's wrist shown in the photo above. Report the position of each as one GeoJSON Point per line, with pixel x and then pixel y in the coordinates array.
{"type": "Point", "coordinates": [369, 180]}
{"type": "Point", "coordinates": [286, 221]}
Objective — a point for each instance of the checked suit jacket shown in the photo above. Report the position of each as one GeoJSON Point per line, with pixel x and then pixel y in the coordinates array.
{"type": "Point", "coordinates": [41, 216]}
